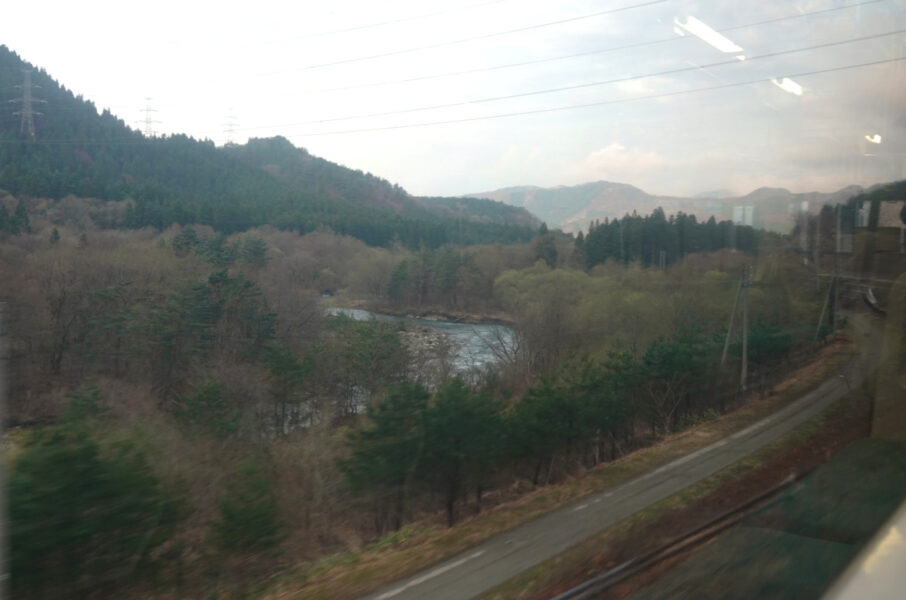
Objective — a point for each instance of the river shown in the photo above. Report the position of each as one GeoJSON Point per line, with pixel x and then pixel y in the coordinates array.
{"type": "Point", "coordinates": [471, 345]}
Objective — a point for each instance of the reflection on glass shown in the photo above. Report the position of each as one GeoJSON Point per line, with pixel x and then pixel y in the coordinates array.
{"type": "Point", "coordinates": [788, 85]}
{"type": "Point", "coordinates": [706, 34]}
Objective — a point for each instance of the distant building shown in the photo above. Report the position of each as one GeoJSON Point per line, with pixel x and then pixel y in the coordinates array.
{"type": "Point", "coordinates": [744, 214]}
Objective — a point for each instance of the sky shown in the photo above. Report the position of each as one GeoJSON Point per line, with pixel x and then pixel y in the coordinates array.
{"type": "Point", "coordinates": [448, 97]}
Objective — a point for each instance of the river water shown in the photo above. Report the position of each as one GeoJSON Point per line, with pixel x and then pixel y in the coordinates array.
{"type": "Point", "coordinates": [472, 346]}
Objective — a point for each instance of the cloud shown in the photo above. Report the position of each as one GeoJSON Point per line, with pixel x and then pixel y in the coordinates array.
{"type": "Point", "coordinates": [616, 162]}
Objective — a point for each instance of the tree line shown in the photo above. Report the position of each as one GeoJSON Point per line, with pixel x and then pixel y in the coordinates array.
{"type": "Point", "coordinates": [461, 441]}
{"type": "Point", "coordinates": [658, 240]}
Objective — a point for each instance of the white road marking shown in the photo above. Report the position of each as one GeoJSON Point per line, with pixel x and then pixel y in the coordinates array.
{"type": "Point", "coordinates": [429, 575]}
{"type": "Point", "coordinates": [754, 427]}
{"type": "Point", "coordinates": [688, 457]}
{"type": "Point", "coordinates": [580, 507]}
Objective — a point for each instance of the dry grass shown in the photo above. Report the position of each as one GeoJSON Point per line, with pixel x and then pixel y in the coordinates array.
{"type": "Point", "coordinates": [353, 574]}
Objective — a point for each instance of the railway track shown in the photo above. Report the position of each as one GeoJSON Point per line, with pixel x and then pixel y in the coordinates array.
{"type": "Point", "coordinates": [694, 537]}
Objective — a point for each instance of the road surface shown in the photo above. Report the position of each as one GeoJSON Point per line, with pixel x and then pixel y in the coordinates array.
{"type": "Point", "coordinates": [504, 556]}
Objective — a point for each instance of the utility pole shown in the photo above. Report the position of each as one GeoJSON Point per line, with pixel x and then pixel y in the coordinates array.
{"type": "Point", "coordinates": [723, 357]}
{"type": "Point", "coordinates": [744, 375]}
{"type": "Point", "coordinates": [818, 249]}
{"type": "Point", "coordinates": [824, 308]}
{"type": "Point", "coordinates": [27, 124]}
{"type": "Point", "coordinates": [742, 290]}
{"type": "Point", "coordinates": [836, 280]}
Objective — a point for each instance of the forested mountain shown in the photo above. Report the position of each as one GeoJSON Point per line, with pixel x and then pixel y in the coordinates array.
{"type": "Point", "coordinates": [572, 208]}
{"type": "Point", "coordinates": [301, 169]}
{"type": "Point", "coordinates": [177, 179]}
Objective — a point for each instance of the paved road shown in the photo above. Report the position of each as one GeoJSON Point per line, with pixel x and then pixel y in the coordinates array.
{"type": "Point", "coordinates": [506, 555]}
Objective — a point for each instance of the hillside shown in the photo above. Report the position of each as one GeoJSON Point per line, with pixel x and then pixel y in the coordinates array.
{"type": "Point", "coordinates": [177, 179]}
{"type": "Point", "coordinates": [572, 208]}
{"type": "Point", "coordinates": [297, 167]}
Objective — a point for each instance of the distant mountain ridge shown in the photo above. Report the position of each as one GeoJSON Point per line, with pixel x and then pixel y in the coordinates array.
{"type": "Point", "coordinates": [573, 208]}
{"type": "Point", "coordinates": [176, 179]}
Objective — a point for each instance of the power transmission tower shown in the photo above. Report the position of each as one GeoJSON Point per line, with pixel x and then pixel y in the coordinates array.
{"type": "Point", "coordinates": [148, 121]}
{"type": "Point", "coordinates": [230, 127]}
{"type": "Point", "coordinates": [27, 124]}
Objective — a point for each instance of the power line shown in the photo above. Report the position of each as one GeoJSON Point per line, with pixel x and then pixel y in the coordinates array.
{"type": "Point", "coordinates": [581, 54]}
{"type": "Point", "coordinates": [595, 104]}
{"type": "Point", "coordinates": [549, 59]}
{"type": "Point", "coordinates": [732, 61]}
{"type": "Point", "coordinates": [353, 28]}
{"type": "Point", "coordinates": [392, 21]}
{"type": "Point", "coordinates": [525, 112]}
{"type": "Point", "coordinates": [466, 40]}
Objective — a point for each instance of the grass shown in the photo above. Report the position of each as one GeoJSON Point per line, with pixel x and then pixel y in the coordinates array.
{"type": "Point", "coordinates": [353, 574]}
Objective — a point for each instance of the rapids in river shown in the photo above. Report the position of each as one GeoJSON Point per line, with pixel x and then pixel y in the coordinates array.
{"type": "Point", "coordinates": [471, 346]}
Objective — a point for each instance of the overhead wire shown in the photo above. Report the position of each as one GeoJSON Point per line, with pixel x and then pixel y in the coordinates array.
{"type": "Point", "coordinates": [354, 28]}
{"type": "Point", "coordinates": [396, 21]}
{"type": "Point", "coordinates": [543, 60]}
{"type": "Point", "coordinates": [571, 87]}
{"type": "Point", "coordinates": [581, 54]}
{"type": "Point", "coordinates": [595, 104]}
{"type": "Point", "coordinates": [732, 61]}
{"type": "Point", "coordinates": [513, 113]}
{"type": "Point", "coordinates": [467, 39]}
{"type": "Point", "coordinates": [461, 40]}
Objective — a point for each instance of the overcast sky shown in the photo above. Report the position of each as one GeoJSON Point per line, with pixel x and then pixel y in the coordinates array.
{"type": "Point", "coordinates": [436, 95]}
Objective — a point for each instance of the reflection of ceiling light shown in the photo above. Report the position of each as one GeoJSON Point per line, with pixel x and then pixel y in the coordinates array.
{"type": "Point", "coordinates": [706, 34]}
{"type": "Point", "coordinates": [788, 85]}
{"type": "Point", "coordinates": [874, 139]}
{"type": "Point", "coordinates": [741, 57]}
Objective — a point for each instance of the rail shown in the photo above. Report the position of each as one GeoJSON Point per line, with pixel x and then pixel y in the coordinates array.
{"type": "Point", "coordinates": [608, 579]}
